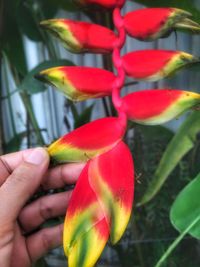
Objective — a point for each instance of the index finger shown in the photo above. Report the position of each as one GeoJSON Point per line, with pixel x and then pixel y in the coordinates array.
{"type": "Point", "coordinates": [62, 175]}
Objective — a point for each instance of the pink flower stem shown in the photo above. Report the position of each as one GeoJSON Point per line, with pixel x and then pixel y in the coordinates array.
{"type": "Point", "coordinates": [117, 62]}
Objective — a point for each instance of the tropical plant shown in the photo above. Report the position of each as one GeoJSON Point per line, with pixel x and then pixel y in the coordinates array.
{"type": "Point", "coordinates": [101, 203]}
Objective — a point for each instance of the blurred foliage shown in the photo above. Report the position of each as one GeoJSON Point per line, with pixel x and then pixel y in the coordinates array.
{"type": "Point", "coordinates": [154, 230]}
{"type": "Point", "coordinates": [184, 140]}
{"type": "Point", "coordinates": [83, 117]}
{"type": "Point", "coordinates": [188, 5]}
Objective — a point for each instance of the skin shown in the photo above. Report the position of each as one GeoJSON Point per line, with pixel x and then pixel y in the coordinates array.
{"type": "Point", "coordinates": [22, 242]}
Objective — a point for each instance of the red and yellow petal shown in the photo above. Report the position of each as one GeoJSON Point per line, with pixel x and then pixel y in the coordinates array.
{"type": "Point", "coordinates": [78, 36]}
{"type": "Point", "coordinates": [104, 3]}
{"type": "Point", "coordinates": [88, 141]}
{"type": "Point", "coordinates": [79, 83]}
{"type": "Point", "coordinates": [158, 23]}
{"type": "Point", "coordinates": [111, 176]}
{"type": "Point", "coordinates": [100, 205]}
{"type": "Point", "coordinates": [89, 247]}
{"type": "Point", "coordinates": [85, 229]}
{"type": "Point", "coordinates": [153, 107]}
{"type": "Point", "coordinates": [153, 65]}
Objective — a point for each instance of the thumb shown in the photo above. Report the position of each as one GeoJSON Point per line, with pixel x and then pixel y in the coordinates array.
{"type": "Point", "coordinates": [22, 184]}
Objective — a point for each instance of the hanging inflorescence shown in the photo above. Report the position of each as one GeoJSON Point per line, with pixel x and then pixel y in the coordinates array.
{"type": "Point", "coordinates": [101, 203]}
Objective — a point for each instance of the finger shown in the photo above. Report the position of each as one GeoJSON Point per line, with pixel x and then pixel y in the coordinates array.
{"type": "Point", "coordinates": [5, 170]}
{"type": "Point", "coordinates": [10, 162]}
{"type": "Point", "coordinates": [13, 160]}
{"type": "Point", "coordinates": [62, 175]}
{"type": "Point", "coordinates": [43, 209]}
{"type": "Point", "coordinates": [22, 183]}
{"type": "Point", "coordinates": [41, 242]}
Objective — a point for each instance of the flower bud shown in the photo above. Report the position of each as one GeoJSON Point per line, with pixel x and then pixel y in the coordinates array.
{"type": "Point", "coordinates": [153, 65]}
{"type": "Point", "coordinates": [158, 106]}
{"type": "Point", "coordinates": [79, 37]}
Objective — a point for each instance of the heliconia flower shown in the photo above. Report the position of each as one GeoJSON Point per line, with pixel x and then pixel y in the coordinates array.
{"type": "Point", "coordinates": [85, 229]}
{"type": "Point", "coordinates": [111, 177]}
{"type": "Point", "coordinates": [153, 65]}
{"type": "Point", "coordinates": [79, 83]}
{"type": "Point", "coordinates": [158, 106]}
{"type": "Point", "coordinates": [104, 3]}
{"type": "Point", "coordinates": [87, 141]}
{"type": "Point", "coordinates": [81, 36]}
{"type": "Point", "coordinates": [100, 206]}
{"type": "Point", "coordinates": [149, 24]}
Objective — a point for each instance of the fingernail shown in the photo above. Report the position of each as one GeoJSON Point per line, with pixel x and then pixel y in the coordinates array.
{"type": "Point", "coordinates": [37, 157]}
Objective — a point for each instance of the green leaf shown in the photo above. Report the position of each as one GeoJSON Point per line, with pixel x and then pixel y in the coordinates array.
{"type": "Point", "coordinates": [12, 43]}
{"type": "Point", "coordinates": [43, 9]}
{"type": "Point", "coordinates": [84, 117]}
{"type": "Point", "coordinates": [33, 86]}
{"type": "Point", "coordinates": [68, 5]}
{"type": "Point", "coordinates": [186, 209]}
{"type": "Point", "coordinates": [179, 146]}
{"type": "Point", "coordinates": [183, 4]}
{"type": "Point", "coordinates": [150, 132]}
{"type": "Point", "coordinates": [185, 216]}
{"type": "Point", "coordinates": [27, 23]}
{"type": "Point", "coordinates": [192, 225]}
{"type": "Point", "coordinates": [14, 143]}
{"type": "Point", "coordinates": [79, 119]}
{"type": "Point", "coordinates": [49, 8]}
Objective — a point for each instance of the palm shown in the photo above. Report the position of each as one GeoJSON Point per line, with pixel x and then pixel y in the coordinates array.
{"type": "Point", "coordinates": [20, 252]}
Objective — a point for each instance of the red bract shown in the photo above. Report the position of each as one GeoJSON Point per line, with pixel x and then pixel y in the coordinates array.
{"type": "Point", "coordinates": [81, 36]}
{"type": "Point", "coordinates": [85, 229]}
{"type": "Point", "coordinates": [153, 107]}
{"type": "Point", "coordinates": [88, 141]}
{"type": "Point", "coordinates": [153, 65]}
{"type": "Point", "coordinates": [79, 83]}
{"type": "Point", "coordinates": [104, 3]}
{"type": "Point", "coordinates": [111, 176]}
{"type": "Point", "coordinates": [101, 204]}
{"type": "Point", "coordinates": [158, 22]}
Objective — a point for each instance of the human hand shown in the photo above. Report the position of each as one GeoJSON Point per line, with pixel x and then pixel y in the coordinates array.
{"type": "Point", "coordinates": [21, 174]}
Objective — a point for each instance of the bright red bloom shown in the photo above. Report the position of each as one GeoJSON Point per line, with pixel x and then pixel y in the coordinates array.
{"type": "Point", "coordinates": [105, 3]}
{"type": "Point", "coordinates": [81, 36]}
{"type": "Point", "coordinates": [111, 177]}
{"type": "Point", "coordinates": [158, 22]}
{"type": "Point", "coordinates": [85, 230]}
{"type": "Point", "coordinates": [88, 141]}
{"type": "Point", "coordinates": [153, 65]}
{"type": "Point", "coordinates": [79, 83]}
{"type": "Point", "coordinates": [101, 204]}
{"type": "Point", "coordinates": [153, 107]}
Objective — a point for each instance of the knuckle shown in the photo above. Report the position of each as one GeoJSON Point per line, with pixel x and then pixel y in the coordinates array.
{"type": "Point", "coordinates": [52, 237]}
{"type": "Point", "coordinates": [45, 210]}
{"type": "Point", "coordinates": [5, 165]}
{"type": "Point", "coordinates": [47, 240]}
